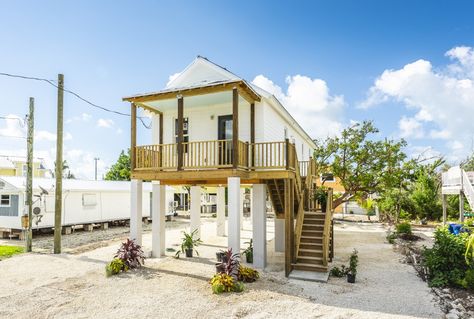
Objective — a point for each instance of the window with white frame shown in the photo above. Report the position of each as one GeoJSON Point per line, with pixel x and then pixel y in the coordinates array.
{"type": "Point", "coordinates": [328, 177]}
{"type": "Point", "coordinates": [5, 200]}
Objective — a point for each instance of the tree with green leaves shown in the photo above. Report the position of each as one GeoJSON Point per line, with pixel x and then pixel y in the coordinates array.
{"type": "Point", "coordinates": [362, 164]}
{"type": "Point", "coordinates": [120, 171]}
{"type": "Point", "coordinates": [67, 174]}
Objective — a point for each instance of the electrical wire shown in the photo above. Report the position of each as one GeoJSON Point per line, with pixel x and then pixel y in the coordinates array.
{"type": "Point", "coordinates": [51, 82]}
{"type": "Point", "coordinates": [12, 136]}
{"type": "Point", "coordinates": [22, 122]}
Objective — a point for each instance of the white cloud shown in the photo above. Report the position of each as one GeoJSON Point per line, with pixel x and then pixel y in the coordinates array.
{"type": "Point", "coordinates": [82, 164]}
{"type": "Point", "coordinates": [310, 102]}
{"type": "Point", "coordinates": [85, 117]}
{"type": "Point", "coordinates": [105, 123]}
{"type": "Point", "coordinates": [410, 128]}
{"type": "Point", "coordinates": [442, 98]}
{"type": "Point", "coordinates": [43, 135]}
{"type": "Point", "coordinates": [14, 126]}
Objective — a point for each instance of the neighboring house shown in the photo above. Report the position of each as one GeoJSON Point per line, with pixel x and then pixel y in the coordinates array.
{"type": "Point", "coordinates": [457, 181]}
{"type": "Point", "coordinates": [17, 166]}
{"type": "Point", "coordinates": [84, 202]}
{"type": "Point", "coordinates": [333, 182]}
{"type": "Point", "coordinates": [213, 128]}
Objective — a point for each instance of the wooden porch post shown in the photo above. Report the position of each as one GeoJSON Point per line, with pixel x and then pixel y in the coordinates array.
{"type": "Point", "coordinates": [160, 141]}
{"type": "Point", "coordinates": [235, 127]}
{"type": "Point", "coordinates": [287, 154]}
{"type": "Point", "coordinates": [252, 133]}
{"type": "Point", "coordinates": [133, 142]}
{"type": "Point", "coordinates": [180, 131]}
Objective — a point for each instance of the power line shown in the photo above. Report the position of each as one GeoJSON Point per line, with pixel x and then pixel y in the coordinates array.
{"type": "Point", "coordinates": [22, 122]}
{"type": "Point", "coordinates": [12, 136]}
{"type": "Point", "coordinates": [51, 82]}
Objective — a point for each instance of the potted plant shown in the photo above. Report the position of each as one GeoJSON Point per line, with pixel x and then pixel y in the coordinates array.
{"type": "Point", "coordinates": [351, 271]}
{"type": "Point", "coordinates": [249, 252]}
{"type": "Point", "coordinates": [189, 244]}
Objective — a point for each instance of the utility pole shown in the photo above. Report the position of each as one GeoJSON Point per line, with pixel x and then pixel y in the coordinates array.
{"type": "Point", "coordinates": [96, 159]}
{"type": "Point", "coordinates": [29, 174]}
{"type": "Point", "coordinates": [59, 168]}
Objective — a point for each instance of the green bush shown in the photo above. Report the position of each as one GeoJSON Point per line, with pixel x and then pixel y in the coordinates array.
{"type": "Point", "coordinates": [338, 272]}
{"type": "Point", "coordinates": [468, 281]}
{"type": "Point", "coordinates": [114, 267]}
{"type": "Point", "coordinates": [445, 261]}
{"type": "Point", "coordinates": [404, 228]}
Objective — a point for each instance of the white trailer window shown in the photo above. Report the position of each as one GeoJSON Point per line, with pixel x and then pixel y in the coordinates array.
{"type": "Point", "coordinates": [89, 199]}
{"type": "Point", "coordinates": [5, 201]}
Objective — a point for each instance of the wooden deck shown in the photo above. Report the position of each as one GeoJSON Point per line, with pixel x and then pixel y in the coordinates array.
{"type": "Point", "coordinates": [211, 162]}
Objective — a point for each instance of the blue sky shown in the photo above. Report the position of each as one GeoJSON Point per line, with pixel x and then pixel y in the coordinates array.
{"type": "Point", "coordinates": [336, 50]}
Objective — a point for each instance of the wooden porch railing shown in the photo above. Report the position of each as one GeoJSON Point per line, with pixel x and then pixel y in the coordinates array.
{"type": "Point", "coordinates": [327, 228]}
{"type": "Point", "coordinates": [218, 154]}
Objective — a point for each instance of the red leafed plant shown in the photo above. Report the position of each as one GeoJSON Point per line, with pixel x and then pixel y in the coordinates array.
{"type": "Point", "coordinates": [131, 254]}
{"type": "Point", "coordinates": [231, 264]}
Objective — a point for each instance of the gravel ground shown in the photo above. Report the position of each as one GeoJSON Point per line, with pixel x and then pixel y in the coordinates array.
{"type": "Point", "coordinates": [74, 285]}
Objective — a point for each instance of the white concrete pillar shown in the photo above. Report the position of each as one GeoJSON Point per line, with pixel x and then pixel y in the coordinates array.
{"type": "Point", "coordinates": [220, 211]}
{"type": "Point", "coordinates": [158, 216]}
{"type": "Point", "coordinates": [279, 235]}
{"type": "Point", "coordinates": [136, 197]}
{"type": "Point", "coordinates": [259, 225]}
{"type": "Point", "coordinates": [195, 222]}
{"type": "Point", "coordinates": [233, 213]}
{"type": "Point", "coordinates": [242, 198]}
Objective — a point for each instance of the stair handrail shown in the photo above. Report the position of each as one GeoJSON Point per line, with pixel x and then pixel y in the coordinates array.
{"type": "Point", "coordinates": [300, 212]}
{"type": "Point", "coordinates": [327, 227]}
{"type": "Point", "coordinates": [468, 189]}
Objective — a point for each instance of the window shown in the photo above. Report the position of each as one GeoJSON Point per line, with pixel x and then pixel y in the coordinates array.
{"type": "Point", "coordinates": [327, 177]}
{"type": "Point", "coordinates": [5, 201]}
{"type": "Point", "coordinates": [89, 199]}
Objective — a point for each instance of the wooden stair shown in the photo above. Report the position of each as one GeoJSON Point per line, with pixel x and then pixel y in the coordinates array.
{"type": "Point", "coordinates": [310, 252]}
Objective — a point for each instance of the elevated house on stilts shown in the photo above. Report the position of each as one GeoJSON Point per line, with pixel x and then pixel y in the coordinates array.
{"type": "Point", "coordinates": [213, 128]}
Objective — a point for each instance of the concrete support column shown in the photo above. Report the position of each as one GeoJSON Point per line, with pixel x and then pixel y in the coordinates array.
{"type": "Point", "coordinates": [242, 198]}
{"type": "Point", "coordinates": [279, 235]}
{"type": "Point", "coordinates": [136, 197]}
{"type": "Point", "coordinates": [444, 208]}
{"type": "Point", "coordinates": [233, 213]}
{"type": "Point", "coordinates": [158, 206]}
{"type": "Point", "coordinates": [195, 222]}
{"type": "Point", "coordinates": [259, 225]}
{"type": "Point", "coordinates": [220, 211]}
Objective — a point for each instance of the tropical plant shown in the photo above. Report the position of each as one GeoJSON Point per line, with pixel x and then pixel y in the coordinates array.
{"type": "Point", "coordinates": [362, 165]}
{"type": "Point", "coordinates": [247, 274]}
{"type": "Point", "coordinates": [353, 262]}
{"type": "Point", "coordinates": [445, 261]}
{"type": "Point", "coordinates": [321, 196]}
{"type": "Point", "coordinates": [131, 254]}
{"type": "Point", "coordinates": [114, 267]}
{"type": "Point", "coordinates": [338, 272]}
{"type": "Point", "coordinates": [404, 228]}
{"type": "Point", "coordinates": [230, 264]}
{"type": "Point", "coordinates": [249, 251]}
{"type": "Point", "coordinates": [189, 242]}
{"type": "Point", "coordinates": [222, 282]}
{"type": "Point", "coordinates": [469, 254]}
{"type": "Point", "coordinates": [120, 171]}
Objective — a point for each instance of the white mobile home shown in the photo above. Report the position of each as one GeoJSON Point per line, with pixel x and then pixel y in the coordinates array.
{"type": "Point", "coordinates": [84, 202]}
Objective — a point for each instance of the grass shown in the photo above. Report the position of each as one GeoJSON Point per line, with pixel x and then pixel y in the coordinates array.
{"type": "Point", "coordinates": [8, 251]}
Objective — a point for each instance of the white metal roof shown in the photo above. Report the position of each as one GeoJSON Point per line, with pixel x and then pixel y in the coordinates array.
{"type": "Point", "coordinates": [71, 184]}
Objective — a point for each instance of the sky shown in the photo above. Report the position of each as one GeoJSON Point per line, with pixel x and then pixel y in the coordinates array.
{"type": "Point", "coordinates": [406, 65]}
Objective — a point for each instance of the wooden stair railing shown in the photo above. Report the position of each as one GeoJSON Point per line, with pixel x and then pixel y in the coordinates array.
{"type": "Point", "coordinates": [327, 229]}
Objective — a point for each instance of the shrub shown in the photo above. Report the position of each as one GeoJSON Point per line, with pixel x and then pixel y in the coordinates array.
{"type": "Point", "coordinates": [338, 272]}
{"type": "Point", "coordinates": [224, 283]}
{"type": "Point", "coordinates": [446, 262]}
{"type": "Point", "coordinates": [468, 280]}
{"type": "Point", "coordinates": [247, 274]}
{"type": "Point", "coordinates": [404, 228]}
{"type": "Point", "coordinates": [353, 262]}
{"type": "Point", "coordinates": [391, 238]}
{"type": "Point", "coordinates": [114, 267]}
{"type": "Point", "coordinates": [231, 264]}
{"type": "Point", "coordinates": [131, 254]}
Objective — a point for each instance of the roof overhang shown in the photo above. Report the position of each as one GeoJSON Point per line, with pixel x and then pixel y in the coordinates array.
{"type": "Point", "coordinates": [245, 90]}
